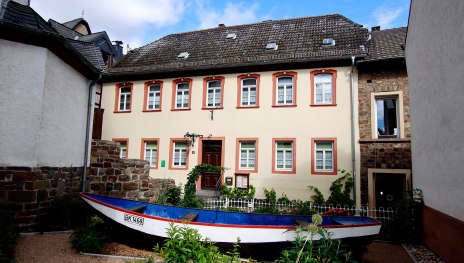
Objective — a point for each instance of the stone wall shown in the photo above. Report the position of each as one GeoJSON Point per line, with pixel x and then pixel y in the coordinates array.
{"type": "Point", "coordinates": [386, 153]}
{"type": "Point", "coordinates": [26, 192]}
{"type": "Point", "coordinates": [126, 178]}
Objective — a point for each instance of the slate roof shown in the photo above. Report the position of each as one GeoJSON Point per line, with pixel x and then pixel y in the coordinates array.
{"type": "Point", "coordinates": [387, 44]}
{"type": "Point", "coordinates": [64, 30]}
{"type": "Point", "coordinates": [73, 23]}
{"type": "Point", "coordinates": [21, 15]}
{"type": "Point", "coordinates": [298, 40]}
{"type": "Point", "coordinates": [22, 24]}
{"type": "Point", "coordinates": [90, 51]}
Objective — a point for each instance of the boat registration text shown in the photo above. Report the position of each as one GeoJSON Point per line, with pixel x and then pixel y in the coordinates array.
{"type": "Point", "coordinates": [136, 220]}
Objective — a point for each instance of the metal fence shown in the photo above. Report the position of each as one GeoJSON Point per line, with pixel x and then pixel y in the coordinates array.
{"type": "Point", "coordinates": [385, 215]}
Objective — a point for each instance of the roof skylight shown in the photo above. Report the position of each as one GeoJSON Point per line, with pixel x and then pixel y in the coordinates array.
{"type": "Point", "coordinates": [231, 36]}
{"type": "Point", "coordinates": [183, 55]}
{"type": "Point", "coordinates": [328, 42]}
{"type": "Point", "coordinates": [272, 46]}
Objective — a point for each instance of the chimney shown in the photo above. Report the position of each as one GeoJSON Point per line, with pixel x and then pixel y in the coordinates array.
{"type": "Point", "coordinates": [375, 28]}
{"type": "Point", "coordinates": [118, 48]}
{"type": "Point", "coordinates": [221, 25]}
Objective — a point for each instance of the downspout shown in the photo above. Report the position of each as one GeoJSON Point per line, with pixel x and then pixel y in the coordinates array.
{"type": "Point", "coordinates": [353, 145]}
{"type": "Point", "coordinates": [87, 130]}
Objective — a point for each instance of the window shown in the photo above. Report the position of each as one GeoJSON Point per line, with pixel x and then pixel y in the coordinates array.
{"type": "Point", "coordinates": [213, 92]}
{"type": "Point", "coordinates": [284, 93]}
{"type": "Point", "coordinates": [323, 87]}
{"type": "Point", "coordinates": [248, 91]}
{"type": "Point", "coordinates": [149, 151]}
{"type": "Point", "coordinates": [247, 155]}
{"type": "Point", "coordinates": [124, 146]}
{"type": "Point", "coordinates": [283, 156]}
{"type": "Point", "coordinates": [123, 98]}
{"type": "Point", "coordinates": [324, 156]}
{"type": "Point", "coordinates": [181, 94]}
{"type": "Point", "coordinates": [152, 98]}
{"type": "Point", "coordinates": [387, 115]}
{"type": "Point", "coordinates": [179, 154]}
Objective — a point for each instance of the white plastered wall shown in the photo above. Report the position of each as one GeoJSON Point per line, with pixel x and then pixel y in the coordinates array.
{"type": "Point", "coordinates": [302, 123]}
{"type": "Point", "coordinates": [43, 106]}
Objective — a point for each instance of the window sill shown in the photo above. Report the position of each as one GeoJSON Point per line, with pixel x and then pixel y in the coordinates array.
{"type": "Point", "coordinates": [283, 172]}
{"type": "Point", "coordinates": [323, 105]}
{"type": "Point", "coordinates": [324, 173]}
{"type": "Point", "coordinates": [178, 168]}
{"type": "Point", "coordinates": [212, 108]}
{"type": "Point", "coordinates": [153, 167]}
{"type": "Point", "coordinates": [389, 140]}
{"type": "Point", "coordinates": [180, 109]}
{"type": "Point", "coordinates": [128, 111]}
{"type": "Point", "coordinates": [284, 106]}
{"type": "Point", "coordinates": [151, 110]}
{"type": "Point", "coordinates": [245, 171]}
{"type": "Point", "coordinates": [247, 107]}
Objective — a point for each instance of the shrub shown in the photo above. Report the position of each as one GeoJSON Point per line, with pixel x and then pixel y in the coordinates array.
{"type": "Point", "coordinates": [185, 244]}
{"type": "Point", "coordinates": [190, 190]}
{"type": "Point", "coordinates": [337, 212]}
{"type": "Point", "coordinates": [90, 238]}
{"type": "Point", "coordinates": [64, 213]}
{"type": "Point", "coordinates": [340, 191]}
{"type": "Point", "coordinates": [408, 219]}
{"type": "Point", "coordinates": [306, 250]}
{"type": "Point", "coordinates": [229, 192]}
{"type": "Point", "coordinates": [171, 195]}
{"type": "Point", "coordinates": [9, 234]}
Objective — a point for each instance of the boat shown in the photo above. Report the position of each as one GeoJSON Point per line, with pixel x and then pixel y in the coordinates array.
{"type": "Point", "coordinates": [225, 227]}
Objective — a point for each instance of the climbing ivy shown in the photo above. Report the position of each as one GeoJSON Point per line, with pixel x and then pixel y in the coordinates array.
{"type": "Point", "coordinates": [190, 191]}
{"type": "Point", "coordinates": [340, 191]}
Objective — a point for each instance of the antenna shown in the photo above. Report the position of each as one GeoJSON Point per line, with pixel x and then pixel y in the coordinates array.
{"type": "Point", "coordinates": [82, 13]}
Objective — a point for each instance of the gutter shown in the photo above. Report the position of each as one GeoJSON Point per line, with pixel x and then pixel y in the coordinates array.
{"type": "Point", "coordinates": [87, 130]}
{"type": "Point", "coordinates": [353, 139]}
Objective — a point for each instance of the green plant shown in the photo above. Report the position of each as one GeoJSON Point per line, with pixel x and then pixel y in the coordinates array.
{"type": "Point", "coordinates": [340, 191]}
{"type": "Point", "coordinates": [170, 195]}
{"type": "Point", "coordinates": [185, 244]}
{"type": "Point", "coordinates": [90, 238]}
{"type": "Point", "coordinates": [408, 220]}
{"type": "Point", "coordinates": [9, 234]}
{"type": "Point", "coordinates": [305, 249]}
{"type": "Point", "coordinates": [267, 210]}
{"type": "Point", "coordinates": [229, 192]}
{"type": "Point", "coordinates": [283, 199]}
{"type": "Point", "coordinates": [303, 208]}
{"type": "Point", "coordinates": [190, 190]}
{"type": "Point", "coordinates": [65, 212]}
{"type": "Point", "coordinates": [271, 195]}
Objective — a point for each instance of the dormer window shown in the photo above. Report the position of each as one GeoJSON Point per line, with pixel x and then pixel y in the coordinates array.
{"type": "Point", "coordinates": [328, 42]}
{"type": "Point", "coordinates": [231, 36]}
{"type": "Point", "coordinates": [272, 46]}
{"type": "Point", "coordinates": [183, 55]}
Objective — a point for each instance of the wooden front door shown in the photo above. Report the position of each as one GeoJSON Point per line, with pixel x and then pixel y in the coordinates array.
{"type": "Point", "coordinates": [211, 154]}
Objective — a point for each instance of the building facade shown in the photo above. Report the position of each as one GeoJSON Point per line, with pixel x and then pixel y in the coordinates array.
{"type": "Point", "coordinates": [434, 60]}
{"type": "Point", "coordinates": [269, 101]}
{"type": "Point", "coordinates": [384, 120]}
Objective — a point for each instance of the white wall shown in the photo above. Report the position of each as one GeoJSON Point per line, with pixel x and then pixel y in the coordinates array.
{"type": "Point", "coordinates": [302, 122]}
{"type": "Point", "coordinates": [434, 57]}
{"type": "Point", "coordinates": [43, 108]}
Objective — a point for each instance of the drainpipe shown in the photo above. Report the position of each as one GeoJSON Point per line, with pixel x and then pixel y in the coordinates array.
{"type": "Point", "coordinates": [353, 145]}
{"type": "Point", "coordinates": [87, 130]}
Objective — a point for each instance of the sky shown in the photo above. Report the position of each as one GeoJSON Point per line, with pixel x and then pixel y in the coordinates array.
{"type": "Point", "coordinates": [140, 22]}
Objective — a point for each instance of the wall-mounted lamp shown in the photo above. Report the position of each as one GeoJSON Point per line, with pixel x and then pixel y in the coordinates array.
{"type": "Point", "coordinates": [192, 137]}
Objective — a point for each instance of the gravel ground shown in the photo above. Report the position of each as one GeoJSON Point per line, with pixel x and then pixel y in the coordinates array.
{"type": "Point", "coordinates": [55, 247]}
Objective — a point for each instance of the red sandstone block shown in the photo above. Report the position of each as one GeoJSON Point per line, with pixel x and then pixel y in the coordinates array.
{"type": "Point", "coordinates": [130, 186]}
{"type": "Point", "coordinates": [22, 196]}
{"type": "Point", "coordinates": [24, 176]}
{"type": "Point", "coordinates": [9, 206]}
{"type": "Point", "coordinates": [42, 195]}
{"type": "Point", "coordinates": [117, 186]}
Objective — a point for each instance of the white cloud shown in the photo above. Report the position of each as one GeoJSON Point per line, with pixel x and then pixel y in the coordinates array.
{"type": "Point", "coordinates": [385, 16]}
{"type": "Point", "coordinates": [233, 14]}
{"type": "Point", "coordinates": [121, 19]}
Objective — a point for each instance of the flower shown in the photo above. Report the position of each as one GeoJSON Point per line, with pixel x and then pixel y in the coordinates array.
{"type": "Point", "coordinates": [312, 228]}
{"type": "Point", "coordinates": [317, 219]}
